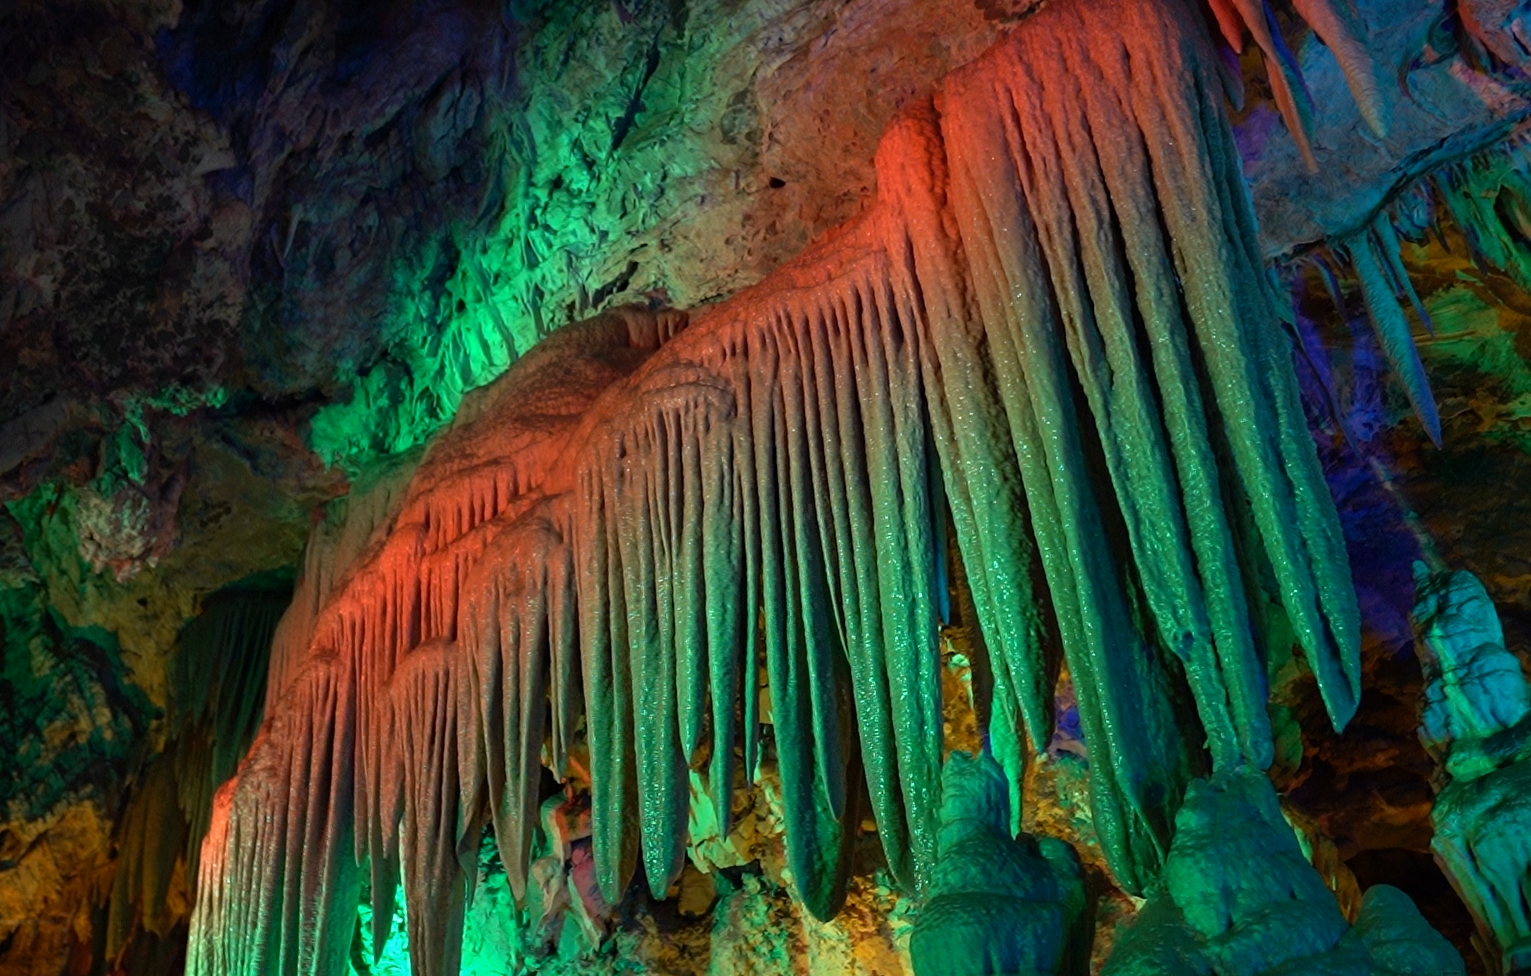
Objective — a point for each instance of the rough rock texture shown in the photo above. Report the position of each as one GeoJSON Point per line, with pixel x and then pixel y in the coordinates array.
{"type": "Point", "coordinates": [1246, 901]}
{"type": "Point", "coordinates": [73, 728]}
{"type": "Point", "coordinates": [1474, 722]}
{"type": "Point", "coordinates": [997, 904]}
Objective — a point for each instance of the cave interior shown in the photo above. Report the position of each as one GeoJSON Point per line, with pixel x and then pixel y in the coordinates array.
{"type": "Point", "coordinates": [882, 487]}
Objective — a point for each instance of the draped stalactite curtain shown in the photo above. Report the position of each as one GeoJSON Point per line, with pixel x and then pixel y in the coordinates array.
{"type": "Point", "coordinates": [1053, 329]}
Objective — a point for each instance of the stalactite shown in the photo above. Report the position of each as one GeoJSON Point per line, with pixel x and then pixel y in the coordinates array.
{"type": "Point", "coordinates": [968, 426]}
{"type": "Point", "coordinates": [1059, 312]}
{"type": "Point", "coordinates": [278, 884]}
{"type": "Point", "coordinates": [150, 840]}
{"type": "Point", "coordinates": [1374, 255]}
{"type": "Point", "coordinates": [1353, 57]}
{"type": "Point", "coordinates": [218, 675]}
{"type": "Point", "coordinates": [829, 466]}
{"type": "Point", "coordinates": [1485, 195]}
{"type": "Point", "coordinates": [1054, 325]}
{"type": "Point", "coordinates": [334, 546]}
{"type": "Point", "coordinates": [1489, 197]}
{"type": "Point", "coordinates": [421, 805]}
{"type": "Point", "coordinates": [518, 649]}
{"type": "Point", "coordinates": [1234, 17]}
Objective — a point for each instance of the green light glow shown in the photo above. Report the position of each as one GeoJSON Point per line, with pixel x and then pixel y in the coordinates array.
{"type": "Point", "coordinates": [589, 164]}
{"type": "Point", "coordinates": [497, 940]}
{"type": "Point", "coordinates": [463, 342]}
{"type": "Point", "coordinates": [394, 959]}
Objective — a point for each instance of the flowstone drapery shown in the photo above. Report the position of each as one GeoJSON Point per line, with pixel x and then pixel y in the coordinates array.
{"type": "Point", "coordinates": [1053, 328]}
{"type": "Point", "coordinates": [219, 671]}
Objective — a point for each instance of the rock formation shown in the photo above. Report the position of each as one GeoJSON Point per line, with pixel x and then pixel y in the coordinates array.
{"type": "Point", "coordinates": [1024, 409]}
{"type": "Point", "coordinates": [1060, 278]}
{"type": "Point", "coordinates": [1476, 722]}
{"type": "Point", "coordinates": [996, 903]}
{"type": "Point", "coordinates": [1239, 897]}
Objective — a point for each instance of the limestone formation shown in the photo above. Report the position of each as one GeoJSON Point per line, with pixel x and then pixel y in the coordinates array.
{"type": "Point", "coordinates": [997, 905]}
{"type": "Point", "coordinates": [1061, 276]}
{"type": "Point", "coordinates": [996, 422]}
{"type": "Point", "coordinates": [1476, 721]}
{"type": "Point", "coordinates": [1239, 899]}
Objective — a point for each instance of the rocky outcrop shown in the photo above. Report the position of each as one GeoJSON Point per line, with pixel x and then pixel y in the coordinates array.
{"type": "Point", "coordinates": [73, 728]}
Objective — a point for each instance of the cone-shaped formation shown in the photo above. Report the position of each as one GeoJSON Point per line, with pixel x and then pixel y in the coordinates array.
{"type": "Point", "coordinates": [1235, 17]}
{"type": "Point", "coordinates": [278, 884]}
{"type": "Point", "coordinates": [1475, 720]}
{"type": "Point", "coordinates": [997, 904]}
{"type": "Point", "coordinates": [1053, 328]}
{"type": "Point", "coordinates": [1489, 197]}
{"type": "Point", "coordinates": [1247, 901]}
{"type": "Point", "coordinates": [421, 799]}
{"type": "Point", "coordinates": [1380, 272]}
{"type": "Point", "coordinates": [219, 678]}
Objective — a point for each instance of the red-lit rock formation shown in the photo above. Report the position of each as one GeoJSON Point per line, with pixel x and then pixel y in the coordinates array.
{"type": "Point", "coordinates": [1054, 324]}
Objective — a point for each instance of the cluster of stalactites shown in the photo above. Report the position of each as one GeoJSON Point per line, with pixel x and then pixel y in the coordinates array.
{"type": "Point", "coordinates": [218, 675]}
{"type": "Point", "coordinates": [1127, 328]}
{"type": "Point", "coordinates": [1054, 328]}
{"type": "Point", "coordinates": [1487, 196]}
{"type": "Point", "coordinates": [278, 885]}
{"type": "Point", "coordinates": [1236, 18]}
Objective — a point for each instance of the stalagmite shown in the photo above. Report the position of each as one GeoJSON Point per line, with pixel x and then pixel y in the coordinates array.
{"type": "Point", "coordinates": [1247, 901]}
{"type": "Point", "coordinates": [998, 904]}
{"type": "Point", "coordinates": [1475, 721]}
{"type": "Point", "coordinates": [1053, 327]}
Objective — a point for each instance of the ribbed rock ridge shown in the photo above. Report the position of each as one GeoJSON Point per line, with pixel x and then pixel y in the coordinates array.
{"type": "Point", "coordinates": [1053, 332]}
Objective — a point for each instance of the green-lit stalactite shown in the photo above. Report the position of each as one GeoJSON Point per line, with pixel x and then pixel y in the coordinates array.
{"type": "Point", "coordinates": [278, 883]}
{"type": "Point", "coordinates": [422, 802]}
{"type": "Point", "coordinates": [1489, 197]}
{"type": "Point", "coordinates": [1374, 254]}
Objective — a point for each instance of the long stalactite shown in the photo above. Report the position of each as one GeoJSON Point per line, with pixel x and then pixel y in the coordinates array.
{"type": "Point", "coordinates": [1053, 327]}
